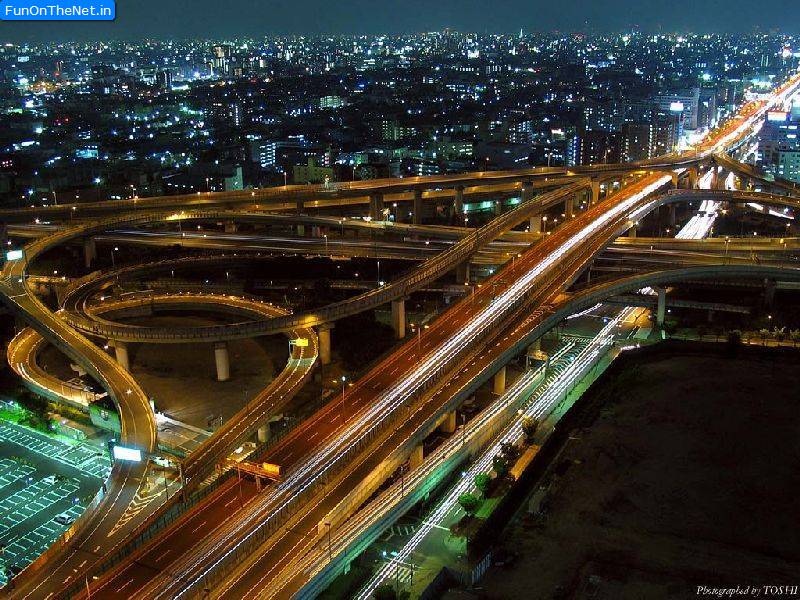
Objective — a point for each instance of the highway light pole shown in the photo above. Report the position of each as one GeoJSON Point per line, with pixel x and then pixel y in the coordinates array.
{"type": "Point", "coordinates": [344, 379]}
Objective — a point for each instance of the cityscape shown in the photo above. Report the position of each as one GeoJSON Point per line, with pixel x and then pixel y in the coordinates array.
{"type": "Point", "coordinates": [398, 304]}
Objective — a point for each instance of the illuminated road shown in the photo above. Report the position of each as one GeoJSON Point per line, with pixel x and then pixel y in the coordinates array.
{"type": "Point", "coordinates": [392, 384]}
{"type": "Point", "coordinates": [449, 341]}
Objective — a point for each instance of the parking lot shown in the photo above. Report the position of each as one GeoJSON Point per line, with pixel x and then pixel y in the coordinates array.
{"type": "Point", "coordinates": [44, 486]}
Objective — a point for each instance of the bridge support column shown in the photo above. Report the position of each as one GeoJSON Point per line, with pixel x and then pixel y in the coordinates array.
{"type": "Point", "coordinates": [223, 361]}
{"type": "Point", "coordinates": [462, 273]}
{"type": "Point", "coordinates": [263, 434]}
{"type": "Point", "coordinates": [89, 252]}
{"type": "Point", "coordinates": [769, 292]}
{"type": "Point", "coordinates": [300, 207]}
{"type": "Point", "coordinates": [595, 191]}
{"type": "Point", "coordinates": [449, 423]}
{"type": "Point", "coordinates": [673, 220]}
{"type": "Point", "coordinates": [121, 353]}
{"type": "Point", "coordinates": [692, 178]}
{"type": "Point", "coordinates": [569, 207]}
{"type": "Point", "coordinates": [376, 206]}
{"type": "Point", "coordinates": [301, 230]}
{"type": "Point", "coordinates": [498, 207]}
{"type": "Point", "coordinates": [500, 382]}
{"type": "Point", "coordinates": [527, 192]}
{"type": "Point", "coordinates": [458, 201]}
{"type": "Point", "coordinates": [324, 335]}
{"type": "Point", "coordinates": [661, 308]}
{"type": "Point", "coordinates": [535, 225]}
{"type": "Point", "coordinates": [417, 208]}
{"type": "Point", "coordinates": [674, 180]}
{"type": "Point", "coordinates": [416, 458]}
{"type": "Point", "coordinates": [536, 346]}
{"type": "Point", "coordinates": [399, 318]}
{"type": "Point", "coordinates": [230, 227]}
{"type": "Point", "coordinates": [632, 231]}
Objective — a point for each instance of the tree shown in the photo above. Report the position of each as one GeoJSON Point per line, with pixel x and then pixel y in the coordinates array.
{"type": "Point", "coordinates": [529, 427]}
{"type": "Point", "coordinates": [794, 335]}
{"type": "Point", "coordinates": [470, 503]}
{"type": "Point", "coordinates": [483, 481]}
{"type": "Point", "coordinates": [500, 465]}
{"type": "Point", "coordinates": [509, 451]}
{"type": "Point", "coordinates": [36, 410]}
{"type": "Point", "coordinates": [387, 592]}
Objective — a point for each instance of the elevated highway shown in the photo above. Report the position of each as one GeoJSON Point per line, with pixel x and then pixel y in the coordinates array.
{"type": "Point", "coordinates": [380, 395]}
{"type": "Point", "coordinates": [603, 223]}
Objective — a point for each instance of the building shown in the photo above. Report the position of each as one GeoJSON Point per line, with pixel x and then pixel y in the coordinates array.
{"type": "Point", "coordinates": [778, 145]}
{"type": "Point", "coordinates": [599, 147]}
{"type": "Point", "coordinates": [682, 101]}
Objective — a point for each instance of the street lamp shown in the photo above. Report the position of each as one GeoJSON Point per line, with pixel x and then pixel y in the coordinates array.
{"type": "Point", "coordinates": [113, 263]}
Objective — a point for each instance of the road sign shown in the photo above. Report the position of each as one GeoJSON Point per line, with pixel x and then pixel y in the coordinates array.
{"type": "Point", "coordinates": [15, 254]}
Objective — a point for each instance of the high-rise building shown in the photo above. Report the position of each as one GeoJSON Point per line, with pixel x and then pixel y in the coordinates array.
{"type": "Point", "coordinates": [683, 101]}
{"type": "Point", "coordinates": [778, 144]}
{"type": "Point", "coordinates": [599, 147]}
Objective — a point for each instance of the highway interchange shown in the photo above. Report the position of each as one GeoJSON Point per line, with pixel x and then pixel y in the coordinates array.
{"type": "Point", "coordinates": [329, 457]}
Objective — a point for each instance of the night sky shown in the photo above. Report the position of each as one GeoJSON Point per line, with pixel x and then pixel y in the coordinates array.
{"type": "Point", "coordinates": [219, 19]}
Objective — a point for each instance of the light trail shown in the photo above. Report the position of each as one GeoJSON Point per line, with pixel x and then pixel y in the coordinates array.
{"type": "Point", "coordinates": [335, 451]}
{"type": "Point", "coordinates": [538, 406]}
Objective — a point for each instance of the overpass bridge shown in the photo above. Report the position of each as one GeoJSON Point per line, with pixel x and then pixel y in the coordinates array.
{"type": "Point", "coordinates": [611, 218]}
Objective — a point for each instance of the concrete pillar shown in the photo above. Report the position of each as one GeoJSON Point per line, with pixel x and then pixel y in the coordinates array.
{"type": "Point", "coordinates": [498, 207]}
{"type": "Point", "coordinates": [223, 361]}
{"type": "Point", "coordinates": [449, 423]}
{"type": "Point", "coordinates": [399, 318]}
{"type": "Point", "coordinates": [769, 292]}
{"type": "Point", "coordinates": [535, 225]}
{"type": "Point", "coordinates": [263, 434]}
{"type": "Point", "coordinates": [692, 178]}
{"type": "Point", "coordinates": [500, 381]}
{"type": "Point", "coordinates": [416, 458]}
{"type": "Point", "coordinates": [595, 191]}
{"type": "Point", "coordinates": [230, 227]}
{"type": "Point", "coordinates": [324, 335]}
{"type": "Point", "coordinates": [121, 352]}
{"type": "Point", "coordinates": [715, 178]}
{"type": "Point", "coordinates": [458, 202]}
{"type": "Point", "coordinates": [417, 208]}
{"type": "Point", "coordinates": [536, 346]}
{"type": "Point", "coordinates": [661, 309]}
{"type": "Point", "coordinates": [300, 207]}
{"type": "Point", "coordinates": [632, 231]}
{"type": "Point", "coordinates": [376, 206]}
{"type": "Point", "coordinates": [527, 192]}
{"type": "Point", "coordinates": [301, 230]}
{"type": "Point", "coordinates": [569, 207]}
{"type": "Point", "coordinates": [89, 252]}
{"type": "Point", "coordinates": [674, 180]}
{"type": "Point", "coordinates": [673, 220]}
{"type": "Point", "coordinates": [462, 273]}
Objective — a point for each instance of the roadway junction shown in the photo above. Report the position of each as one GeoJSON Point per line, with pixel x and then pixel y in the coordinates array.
{"type": "Point", "coordinates": [228, 535]}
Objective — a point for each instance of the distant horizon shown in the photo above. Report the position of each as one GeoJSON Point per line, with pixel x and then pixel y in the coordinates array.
{"type": "Point", "coordinates": [203, 19]}
{"type": "Point", "coordinates": [267, 36]}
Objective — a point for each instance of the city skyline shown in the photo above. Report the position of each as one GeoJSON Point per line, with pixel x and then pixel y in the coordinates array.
{"type": "Point", "coordinates": [244, 18]}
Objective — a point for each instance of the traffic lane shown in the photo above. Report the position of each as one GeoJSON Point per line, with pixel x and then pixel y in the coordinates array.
{"type": "Point", "coordinates": [260, 576]}
{"type": "Point", "coordinates": [158, 554]}
{"type": "Point", "coordinates": [284, 550]}
{"type": "Point", "coordinates": [457, 316]}
{"type": "Point", "coordinates": [402, 361]}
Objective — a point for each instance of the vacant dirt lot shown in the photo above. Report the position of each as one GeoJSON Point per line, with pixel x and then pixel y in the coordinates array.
{"type": "Point", "coordinates": [686, 473]}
